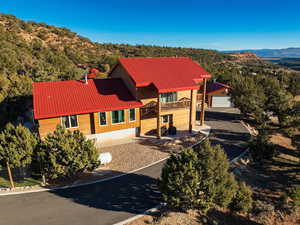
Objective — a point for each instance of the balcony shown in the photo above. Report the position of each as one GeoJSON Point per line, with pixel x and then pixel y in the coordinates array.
{"type": "Point", "coordinates": [182, 103]}
{"type": "Point", "coordinates": [150, 110]}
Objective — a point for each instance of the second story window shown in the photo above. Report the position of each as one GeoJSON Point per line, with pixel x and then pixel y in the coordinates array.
{"type": "Point", "coordinates": [102, 118]}
{"type": "Point", "coordinates": [69, 121]}
{"type": "Point", "coordinates": [117, 116]}
{"type": "Point", "coordinates": [168, 97]}
{"type": "Point", "coordinates": [131, 114]}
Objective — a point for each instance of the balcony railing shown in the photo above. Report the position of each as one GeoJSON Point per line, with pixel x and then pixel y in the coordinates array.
{"type": "Point", "coordinates": [150, 110]}
{"type": "Point", "coordinates": [184, 103]}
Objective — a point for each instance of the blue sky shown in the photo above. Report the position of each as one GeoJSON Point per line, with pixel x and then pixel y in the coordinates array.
{"type": "Point", "coordinates": [210, 24]}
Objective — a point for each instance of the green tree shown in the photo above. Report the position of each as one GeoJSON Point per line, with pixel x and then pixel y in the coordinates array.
{"type": "Point", "coordinates": [294, 84]}
{"type": "Point", "coordinates": [296, 141]}
{"type": "Point", "coordinates": [242, 200]}
{"type": "Point", "coordinates": [260, 146]}
{"type": "Point", "coordinates": [279, 101]}
{"type": "Point", "coordinates": [294, 194]}
{"type": "Point", "coordinates": [292, 123]}
{"type": "Point", "coordinates": [247, 95]}
{"type": "Point", "coordinates": [198, 178]}
{"type": "Point", "coordinates": [16, 147]}
{"type": "Point", "coordinates": [65, 154]}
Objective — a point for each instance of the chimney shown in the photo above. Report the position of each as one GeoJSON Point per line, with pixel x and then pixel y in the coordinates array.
{"type": "Point", "coordinates": [86, 78]}
{"type": "Point", "coordinates": [92, 74]}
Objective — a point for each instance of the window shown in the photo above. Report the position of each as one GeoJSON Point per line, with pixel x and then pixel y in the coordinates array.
{"type": "Point", "coordinates": [70, 121]}
{"type": "Point", "coordinates": [131, 114]}
{"type": "Point", "coordinates": [102, 118]}
{"type": "Point", "coordinates": [117, 116]}
{"type": "Point", "coordinates": [168, 97]}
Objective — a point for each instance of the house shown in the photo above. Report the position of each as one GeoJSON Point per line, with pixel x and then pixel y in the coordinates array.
{"type": "Point", "coordinates": [140, 96]}
{"type": "Point", "coordinates": [218, 95]}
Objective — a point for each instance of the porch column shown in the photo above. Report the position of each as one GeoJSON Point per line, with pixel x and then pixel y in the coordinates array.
{"type": "Point", "coordinates": [209, 101]}
{"type": "Point", "coordinates": [192, 107]}
{"type": "Point", "coordinates": [158, 133]}
{"type": "Point", "coordinates": [203, 103]}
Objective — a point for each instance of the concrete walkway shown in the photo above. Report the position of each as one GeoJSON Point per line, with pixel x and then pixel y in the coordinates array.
{"type": "Point", "coordinates": [111, 201]}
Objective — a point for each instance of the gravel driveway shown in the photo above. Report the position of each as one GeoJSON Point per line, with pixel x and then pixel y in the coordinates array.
{"type": "Point", "coordinates": [131, 156]}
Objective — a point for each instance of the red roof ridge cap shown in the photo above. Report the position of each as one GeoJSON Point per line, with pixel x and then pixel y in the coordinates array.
{"type": "Point", "coordinates": [160, 57]}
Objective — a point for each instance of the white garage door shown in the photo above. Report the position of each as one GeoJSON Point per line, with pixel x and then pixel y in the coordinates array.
{"type": "Point", "coordinates": [223, 101]}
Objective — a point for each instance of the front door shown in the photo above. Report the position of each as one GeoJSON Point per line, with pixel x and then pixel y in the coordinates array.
{"type": "Point", "coordinates": [198, 114]}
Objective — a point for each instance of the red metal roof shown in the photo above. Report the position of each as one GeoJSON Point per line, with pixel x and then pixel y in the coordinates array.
{"type": "Point", "coordinates": [53, 99]}
{"type": "Point", "coordinates": [165, 73]}
{"type": "Point", "coordinates": [216, 86]}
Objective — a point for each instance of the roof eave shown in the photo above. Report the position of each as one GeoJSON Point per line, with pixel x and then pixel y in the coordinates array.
{"type": "Point", "coordinates": [178, 89]}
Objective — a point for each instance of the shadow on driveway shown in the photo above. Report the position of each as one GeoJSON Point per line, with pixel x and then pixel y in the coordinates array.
{"type": "Point", "coordinates": [101, 203]}
{"type": "Point", "coordinates": [133, 193]}
{"type": "Point", "coordinates": [227, 131]}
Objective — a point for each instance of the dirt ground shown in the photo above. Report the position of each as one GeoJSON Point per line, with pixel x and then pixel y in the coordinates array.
{"type": "Point", "coordinates": [268, 181]}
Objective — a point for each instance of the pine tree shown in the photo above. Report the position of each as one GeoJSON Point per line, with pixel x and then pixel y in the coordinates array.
{"type": "Point", "coordinates": [261, 147]}
{"type": "Point", "coordinates": [242, 201]}
{"type": "Point", "coordinates": [16, 148]}
{"type": "Point", "coordinates": [198, 178]}
{"type": "Point", "coordinates": [279, 101]}
{"type": "Point", "coordinates": [65, 154]}
{"type": "Point", "coordinates": [247, 95]}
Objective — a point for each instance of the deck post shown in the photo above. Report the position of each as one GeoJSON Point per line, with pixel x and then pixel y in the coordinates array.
{"type": "Point", "coordinates": [203, 103]}
{"type": "Point", "coordinates": [192, 107]}
{"type": "Point", "coordinates": [158, 133]}
{"type": "Point", "coordinates": [209, 101]}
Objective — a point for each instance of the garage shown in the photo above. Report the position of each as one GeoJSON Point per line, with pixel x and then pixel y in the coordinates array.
{"type": "Point", "coordinates": [221, 101]}
{"type": "Point", "coordinates": [218, 95]}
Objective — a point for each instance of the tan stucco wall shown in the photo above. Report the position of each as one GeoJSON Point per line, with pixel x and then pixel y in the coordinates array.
{"type": "Point", "coordinates": [89, 123]}
{"type": "Point", "coordinates": [49, 125]}
{"type": "Point", "coordinates": [111, 127]}
{"type": "Point", "coordinates": [183, 94]}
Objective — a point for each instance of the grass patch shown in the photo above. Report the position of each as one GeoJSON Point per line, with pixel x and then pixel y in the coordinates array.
{"type": "Point", "coordinates": [35, 179]}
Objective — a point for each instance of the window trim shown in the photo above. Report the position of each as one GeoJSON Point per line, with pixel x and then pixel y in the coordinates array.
{"type": "Point", "coordinates": [111, 118]}
{"type": "Point", "coordinates": [69, 118]}
{"type": "Point", "coordinates": [100, 119]}
{"type": "Point", "coordinates": [134, 115]}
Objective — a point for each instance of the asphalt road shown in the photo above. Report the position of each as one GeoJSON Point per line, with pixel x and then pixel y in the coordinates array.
{"type": "Point", "coordinates": [115, 200]}
{"type": "Point", "coordinates": [227, 130]}
{"type": "Point", "coordinates": [102, 203]}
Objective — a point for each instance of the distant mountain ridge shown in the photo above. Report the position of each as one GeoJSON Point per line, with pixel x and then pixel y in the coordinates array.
{"type": "Point", "coordinates": [285, 52]}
